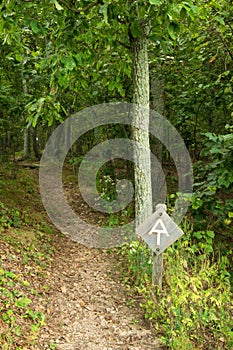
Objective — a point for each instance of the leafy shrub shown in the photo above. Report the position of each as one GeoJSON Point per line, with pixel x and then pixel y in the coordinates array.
{"type": "Point", "coordinates": [138, 263]}
{"type": "Point", "coordinates": [9, 217]}
{"type": "Point", "coordinates": [194, 309]}
{"type": "Point", "coordinates": [213, 197]}
{"type": "Point", "coordinates": [15, 306]}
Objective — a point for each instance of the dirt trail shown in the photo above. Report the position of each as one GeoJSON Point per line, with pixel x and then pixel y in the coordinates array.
{"type": "Point", "coordinates": [88, 305]}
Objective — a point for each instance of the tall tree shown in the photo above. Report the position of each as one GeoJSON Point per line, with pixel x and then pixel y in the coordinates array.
{"type": "Point", "coordinates": [141, 117]}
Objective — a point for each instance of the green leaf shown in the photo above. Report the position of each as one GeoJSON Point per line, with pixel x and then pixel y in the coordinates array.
{"type": "Point", "coordinates": [62, 79]}
{"type": "Point", "coordinates": [210, 234]}
{"type": "Point", "coordinates": [104, 10]}
{"type": "Point", "coordinates": [227, 90]}
{"type": "Point", "coordinates": [78, 57]}
{"type": "Point", "coordinates": [35, 118]}
{"type": "Point", "coordinates": [35, 328]}
{"type": "Point", "coordinates": [32, 106]}
{"type": "Point", "coordinates": [18, 57]}
{"type": "Point", "coordinates": [57, 5]}
{"type": "Point", "coordinates": [50, 120]}
{"type": "Point", "coordinates": [112, 86]}
{"type": "Point", "coordinates": [70, 63]}
{"type": "Point", "coordinates": [187, 5]}
{"type": "Point", "coordinates": [173, 30]}
{"type": "Point", "coordinates": [221, 21]}
{"type": "Point", "coordinates": [211, 136]}
{"type": "Point", "coordinates": [155, 2]}
{"type": "Point", "coordinates": [23, 302]}
{"type": "Point", "coordinates": [198, 235]}
{"type": "Point", "coordinates": [84, 83]}
{"type": "Point", "coordinates": [34, 26]}
{"type": "Point", "coordinates": [17, 330]}
{"type": "Point", "coordinates": [10, 274]}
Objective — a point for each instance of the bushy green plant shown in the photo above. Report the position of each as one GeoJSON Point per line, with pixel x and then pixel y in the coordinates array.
{"type": "Point", "coordinates": [213, 197]}
{"type": "Point", "coordinates": [138, 263]}
{"type": "Point", "coordinates": [9, 217]}
{"type": "Point", "coordinates": [194, 309]}
{"type": "Point", "coordinates": [16, 306]}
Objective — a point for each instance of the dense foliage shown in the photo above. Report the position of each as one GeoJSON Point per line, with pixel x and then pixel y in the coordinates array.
{"type": "Point", "coordinates": [194, 310]}
{"type": "Point", "coordinates": [60, 56]}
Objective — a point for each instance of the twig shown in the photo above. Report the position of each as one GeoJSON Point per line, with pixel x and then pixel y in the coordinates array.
{"type": "Point", "coordinates": [225, 44]}
{"type": "Point", "coordinates": [123, 44]}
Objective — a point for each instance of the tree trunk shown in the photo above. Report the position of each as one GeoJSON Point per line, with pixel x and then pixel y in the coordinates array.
{"type": "Point", "coordinates": [35, 143]}
{"type": "Point", "coordinates": [27, 138]}
{"type": "Point", "coordinates": [141, 116]}
{"type": "Point", "coordinates": [26, 147]}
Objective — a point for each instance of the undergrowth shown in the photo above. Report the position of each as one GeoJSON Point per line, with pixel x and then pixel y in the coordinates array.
{"type": "Point", "coordinates": [26, 254]}
{"type": "Point", "coordinates": [194, 309]}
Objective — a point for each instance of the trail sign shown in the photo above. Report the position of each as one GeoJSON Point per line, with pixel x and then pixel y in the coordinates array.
{"type": "Point", "coordinates": [159, 231]}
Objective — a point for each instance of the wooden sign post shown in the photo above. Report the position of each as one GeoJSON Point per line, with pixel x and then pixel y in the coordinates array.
{"type": "Point", "coordinates": [157, 270]}
{"type": "Point", "coordinates": [159, 231]}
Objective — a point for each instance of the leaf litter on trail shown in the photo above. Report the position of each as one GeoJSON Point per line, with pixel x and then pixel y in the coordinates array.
{"type": "Point", "coordinates": [90, 308]}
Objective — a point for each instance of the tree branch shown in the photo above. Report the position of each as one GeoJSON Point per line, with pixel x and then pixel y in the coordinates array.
{"type": "Point", "coordinates": [225, 44]}
{"type": "Point", "coordinates": [123, 44]}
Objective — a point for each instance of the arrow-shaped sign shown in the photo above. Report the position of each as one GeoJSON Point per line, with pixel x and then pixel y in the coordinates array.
{"type": "Point", "coordinates": [159, 228]}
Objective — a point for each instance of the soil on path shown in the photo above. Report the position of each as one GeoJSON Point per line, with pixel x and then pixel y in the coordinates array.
{"type": "Point", "coordinates": [89, 307]}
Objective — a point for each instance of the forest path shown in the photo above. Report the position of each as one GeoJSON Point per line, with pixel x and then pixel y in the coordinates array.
{"type": "Point", "coordinates": [89, 306]}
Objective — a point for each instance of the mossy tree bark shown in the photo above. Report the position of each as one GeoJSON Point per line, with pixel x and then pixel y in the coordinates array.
{"type": "Point", "coordinates": [141, 116]}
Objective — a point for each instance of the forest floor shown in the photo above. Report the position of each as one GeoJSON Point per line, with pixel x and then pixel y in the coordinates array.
{"type": "Point", "coordinates": [85, 302]}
